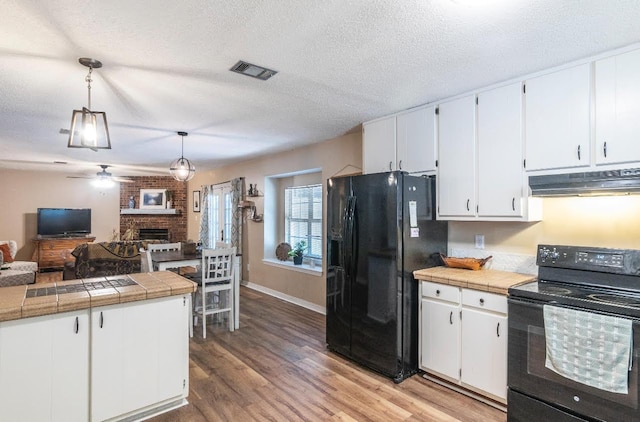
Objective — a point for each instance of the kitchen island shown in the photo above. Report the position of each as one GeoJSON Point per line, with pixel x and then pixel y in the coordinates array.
{"type": "Point", "coordinates": [105, 348]}
{"type": "Point", "coordinates": [462, 329]}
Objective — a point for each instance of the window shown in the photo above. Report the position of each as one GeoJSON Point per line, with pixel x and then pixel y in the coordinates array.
{"type": "Point", "coordinates": [303, 217]}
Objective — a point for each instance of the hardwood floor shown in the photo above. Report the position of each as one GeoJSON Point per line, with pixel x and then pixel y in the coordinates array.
{"type": "Point", "coordinates": [276, 368]}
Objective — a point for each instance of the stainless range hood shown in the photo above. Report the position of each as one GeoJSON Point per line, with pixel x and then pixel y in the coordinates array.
{"type": "Point", "coordinates": [610, 182]}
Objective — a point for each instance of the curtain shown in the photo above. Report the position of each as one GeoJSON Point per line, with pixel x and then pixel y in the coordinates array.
{"type": "Point", "coordinates": [204, 217]}
{"type": "Point", "coordinates": [237, 188]}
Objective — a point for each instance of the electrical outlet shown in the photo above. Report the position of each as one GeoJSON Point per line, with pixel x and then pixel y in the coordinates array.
{"type": "Point", "coordinates": [479, 241]}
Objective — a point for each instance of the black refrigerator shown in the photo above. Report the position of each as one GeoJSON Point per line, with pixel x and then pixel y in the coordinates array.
{"type": "Point", "coordinates": [380, 228]}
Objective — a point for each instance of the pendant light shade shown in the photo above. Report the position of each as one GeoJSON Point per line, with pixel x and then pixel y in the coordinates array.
{"type": "Point", "coordinates": [89, 128]}
{"type": "Point", "coordinates": [181, 169]}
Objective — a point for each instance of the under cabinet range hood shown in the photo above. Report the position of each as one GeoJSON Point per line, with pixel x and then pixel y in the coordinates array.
{"type": "Point", "coordinates": [608, 182]}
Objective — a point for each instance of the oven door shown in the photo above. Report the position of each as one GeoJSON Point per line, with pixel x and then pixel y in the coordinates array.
{"type": "Point", "coordinates": [528, 375]}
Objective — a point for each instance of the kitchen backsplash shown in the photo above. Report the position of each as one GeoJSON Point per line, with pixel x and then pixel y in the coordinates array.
{"type": "Point", "coordinates": [523, 264]}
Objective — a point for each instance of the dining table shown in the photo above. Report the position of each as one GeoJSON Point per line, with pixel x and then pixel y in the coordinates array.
{"type": "Point", "coordinates": [163, 260]}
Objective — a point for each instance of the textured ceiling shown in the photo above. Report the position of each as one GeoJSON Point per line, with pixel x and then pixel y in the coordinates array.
{"type": "Point", "coordinates": [166, 68]}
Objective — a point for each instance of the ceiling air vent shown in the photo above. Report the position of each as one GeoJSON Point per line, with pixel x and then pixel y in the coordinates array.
{"type": "Point", "coordinates": [252, 70]}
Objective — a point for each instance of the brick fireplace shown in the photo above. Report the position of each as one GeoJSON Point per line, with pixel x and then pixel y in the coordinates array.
{"type": "Point", "coordinates": [176, 224]}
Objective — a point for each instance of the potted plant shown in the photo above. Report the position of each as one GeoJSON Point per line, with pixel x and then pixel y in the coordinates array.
{"type": "Point", "coordinates": [298, 251]}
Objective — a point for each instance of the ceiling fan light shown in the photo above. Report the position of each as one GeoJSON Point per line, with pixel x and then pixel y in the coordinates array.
{"type": "Point", "coordinates": [103, 182]}
{"type": "Point", "coordinates": [89, 129]}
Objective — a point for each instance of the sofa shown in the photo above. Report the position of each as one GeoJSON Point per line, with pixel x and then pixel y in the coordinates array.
{"type": "Point", "coordinates": [105, 259]}
{"type": "Point", "coordinates": [12, 272]}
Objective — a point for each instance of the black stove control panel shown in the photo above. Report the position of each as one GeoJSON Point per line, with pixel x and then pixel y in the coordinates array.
{"type": "Point", "coordinates": [600, 258]}
{"type": "Point", "coordinates": [618, 261]}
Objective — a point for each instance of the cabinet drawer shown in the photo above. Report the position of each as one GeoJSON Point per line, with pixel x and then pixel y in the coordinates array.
{"type": "Point", "coordinates": [441, 291]}
{"type": "Point", "coordinates": [483, 300]}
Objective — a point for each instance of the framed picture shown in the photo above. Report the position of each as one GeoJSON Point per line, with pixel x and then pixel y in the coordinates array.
{"type": "Point", "coordinates": [153, 198]}
{"type": "Point", "coordinates": [196, 201]}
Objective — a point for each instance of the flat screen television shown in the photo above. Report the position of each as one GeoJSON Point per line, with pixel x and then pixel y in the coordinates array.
{"type": "Point", "coordinates": [64, 222]}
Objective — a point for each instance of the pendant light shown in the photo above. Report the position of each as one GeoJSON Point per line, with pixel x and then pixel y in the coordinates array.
{"type": "Point", "coordinates": [182, 169]}
{"type": "Point", "coordinates": [89, 128]}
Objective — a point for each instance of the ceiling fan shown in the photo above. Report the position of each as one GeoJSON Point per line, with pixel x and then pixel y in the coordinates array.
{"type": "Point", "coordinates": [103, 178]}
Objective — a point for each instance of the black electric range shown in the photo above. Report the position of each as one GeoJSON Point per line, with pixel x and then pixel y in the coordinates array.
{"type": "Point", "coordinates": [588, 279]}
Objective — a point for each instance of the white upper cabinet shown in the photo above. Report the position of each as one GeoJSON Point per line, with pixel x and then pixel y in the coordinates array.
{"type": "Point", "coordinates": [502, 183]}
{"type": "Point", "coordinates": [557, 119]}
{"type": "Point", "coordinates": [379, 145]}
{"type": "Point", "coordinates": [416, 140]}
{"type": "Point", "coordinates": [401, 142]}
{"type": "Point", "coordinates": [457, 158]}
{"type": "Point", "coordinates": [617, 86]}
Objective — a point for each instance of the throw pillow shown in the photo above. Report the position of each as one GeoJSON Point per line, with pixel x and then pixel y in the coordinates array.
{"type": "Point", "coordinates": [6, 253]}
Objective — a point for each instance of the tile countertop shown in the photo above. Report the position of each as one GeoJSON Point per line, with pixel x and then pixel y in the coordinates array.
{"type": "Point", "coordinates": [492, 281]}
{"type": "Point", "coordinates": [18, 302]}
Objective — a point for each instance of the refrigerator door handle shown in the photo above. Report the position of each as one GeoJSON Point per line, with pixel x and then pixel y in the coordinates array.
{"type": "Point", "coordinates": [345, 227]}
{"type": "Point", "coordinates": [352, 239]}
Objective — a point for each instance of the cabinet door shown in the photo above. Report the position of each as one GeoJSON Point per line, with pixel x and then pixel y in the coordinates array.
{"type": "Point", "coordinates": [617, 100]}
{"type": "Point", "coordinates": [416, 140]}
{"type": "Point", "coordinates": [440, 343]}
{"type": "Point", "coordinates": [457, 157]}
{"type": "Point", "coordinates": [107, 355]}
{"type": "Point", "coordinates": [501, 176]}
{"type": "Point", "coordinates": [379, 145]}
{"type": "Point", "coordinates": [70, 367]}
{"type": "Point", "coordinates": [44, 368]}
{"type": "Point", "coordinates": [142, 348]}
{"type": "Point", "coordinates": [557, 119]}
{"type": "Point", "coordinates": [25, 369]}
{"type": "Point", "coordinates": [484, 351]}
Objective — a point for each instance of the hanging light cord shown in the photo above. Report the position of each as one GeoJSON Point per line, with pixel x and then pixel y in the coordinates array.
{"type": "Point", "coordinates": [89, 80]}
{"type": "Point", "coordinates": [182, 149]}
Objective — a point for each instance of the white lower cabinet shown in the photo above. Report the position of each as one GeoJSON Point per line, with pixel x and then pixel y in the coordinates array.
{"type": "Point", "coordinates": [44, 368]}
{"type": "Point", "coordinates": [139, 356]}
{"type": "Point", "coordinates": [463, 338]}
{"type": "Point", "coordinates": [110, 362]}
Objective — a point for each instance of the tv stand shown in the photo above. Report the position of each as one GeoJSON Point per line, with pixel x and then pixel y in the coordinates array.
{"type": "Point", "coordinates": [52, 252]}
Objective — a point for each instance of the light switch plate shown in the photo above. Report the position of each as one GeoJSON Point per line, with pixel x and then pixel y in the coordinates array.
{"type": "Point", "coordinates": [479, 241]}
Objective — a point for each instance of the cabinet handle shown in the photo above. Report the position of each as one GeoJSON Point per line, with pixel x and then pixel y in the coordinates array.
{"type": "Point", "coordinates": [468, 204]}
{"type": "Point", "coordinates": [513, 203]}
{"type": "Point", "coordinates": [579, 152]}
{"type": "Point", "coordinates": [498, 330]}
{"type": "Point", "coordinates": [390, 165]}
{"type": "Point", "coordinates": [400, 165]}
{"type": "Point", "coordinates": [481, 301]}
{"type": "Point", "coordinates": [604, 148]}
{"type": "Point", "coordinates": [77, 325]}
{"type": "Point", "coordinates": [451, 318]}
{"type": "Point", "coordinates": [438, 292]}
{"type": "Point", "coordinates": [101, 319]}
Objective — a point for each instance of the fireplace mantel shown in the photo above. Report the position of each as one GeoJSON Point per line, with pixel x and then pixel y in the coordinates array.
{"type": "Point", "coordinates": [149, 211]}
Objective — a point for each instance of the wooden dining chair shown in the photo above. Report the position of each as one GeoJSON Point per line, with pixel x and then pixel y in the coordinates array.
{"type": "Point", "coordinates": [215, 294]}
{"type": "Point", "coordinates": [162, 247]}
{"type": "Point", "coordinates": [146, 264]}
{"type": "Point", "coordinates": [158, 247]}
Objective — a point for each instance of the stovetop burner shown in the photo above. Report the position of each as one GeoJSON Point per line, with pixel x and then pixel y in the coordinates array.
{"type": "Point", "coordinates": [632, 302]}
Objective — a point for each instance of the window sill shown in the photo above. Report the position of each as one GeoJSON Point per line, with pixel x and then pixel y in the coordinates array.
{"type": "Point", "coordinates": [304, 268]}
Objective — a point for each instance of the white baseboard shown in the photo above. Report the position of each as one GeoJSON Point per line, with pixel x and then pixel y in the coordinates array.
{"type": "Point", "coordinates": [291, 299]}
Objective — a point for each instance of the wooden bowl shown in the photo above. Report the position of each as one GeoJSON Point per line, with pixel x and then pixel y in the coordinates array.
{"type": "Point", "coordinates": [474, 264]}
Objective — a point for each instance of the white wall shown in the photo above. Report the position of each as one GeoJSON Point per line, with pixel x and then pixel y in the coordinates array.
{"type": "Point", "coordinates": [23, 192]}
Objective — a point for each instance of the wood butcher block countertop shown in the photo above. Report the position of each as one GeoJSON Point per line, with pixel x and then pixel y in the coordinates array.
{"type": "Point", "coordinates": [492, 281]}
{"type": "Point", "coordinates": [31, 300]}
